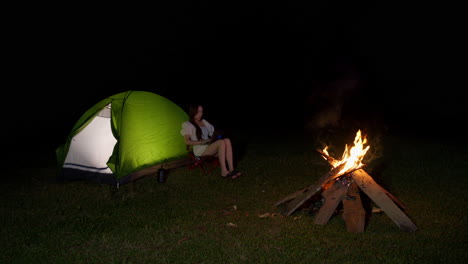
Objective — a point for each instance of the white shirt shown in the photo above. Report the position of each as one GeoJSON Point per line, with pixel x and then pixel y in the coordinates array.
{"type": "Point", "coordinates": [189, 129]}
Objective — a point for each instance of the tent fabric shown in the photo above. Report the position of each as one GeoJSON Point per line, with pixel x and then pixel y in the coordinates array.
{"type": "Point", "coordinates": [122, 134]}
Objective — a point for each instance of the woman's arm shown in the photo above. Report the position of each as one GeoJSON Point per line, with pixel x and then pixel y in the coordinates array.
{"type": "Point", "coordinates": [190, 142]}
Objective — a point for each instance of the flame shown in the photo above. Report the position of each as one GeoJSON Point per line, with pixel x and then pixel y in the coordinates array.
{"type": "Point", "coordinates": [352, 157]}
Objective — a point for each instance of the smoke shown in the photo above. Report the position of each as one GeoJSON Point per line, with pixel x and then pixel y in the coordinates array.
{"type": "Point", "coordinates": [327, 100]}
{"type": "Point", "coordinates": [327, 117]}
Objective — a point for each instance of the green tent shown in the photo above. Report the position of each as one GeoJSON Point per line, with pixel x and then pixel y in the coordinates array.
{"type": "Point", "coordinates": [122, 135]}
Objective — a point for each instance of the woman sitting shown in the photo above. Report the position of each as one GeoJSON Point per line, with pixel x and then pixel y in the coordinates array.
{"type": "Point", "coordinates": [197, 133]}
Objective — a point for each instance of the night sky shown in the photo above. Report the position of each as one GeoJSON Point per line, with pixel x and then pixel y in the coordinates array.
{"type": "Point", "coordinates": [258, 64]}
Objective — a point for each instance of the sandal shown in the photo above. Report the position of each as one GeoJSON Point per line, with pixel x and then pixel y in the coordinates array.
{"type": "Point", "coordinates": [235, 174]}
{"type": "Point", "coordinates": [227, 176]}
{"type": "Point", "coordinates": [232, 175]}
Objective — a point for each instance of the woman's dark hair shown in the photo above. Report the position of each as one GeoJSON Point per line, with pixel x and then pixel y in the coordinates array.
{"type": "Point", "coordinates": [192, 111]}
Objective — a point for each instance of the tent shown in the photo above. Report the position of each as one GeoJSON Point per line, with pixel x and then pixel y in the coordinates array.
{"type": "Point", "coordinates": [122, 137]}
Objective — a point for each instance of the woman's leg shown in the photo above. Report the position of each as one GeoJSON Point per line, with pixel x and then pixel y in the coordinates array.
{"type": "Point", "coordinates": [223, 148]}
{"type": "Point", "coordinates": [218, 147]}
{"type": "Point", "coordinates": [229, 156]}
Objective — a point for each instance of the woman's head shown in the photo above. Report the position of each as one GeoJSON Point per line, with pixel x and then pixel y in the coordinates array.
{"type": "Point", "coordinates": [195, 112]}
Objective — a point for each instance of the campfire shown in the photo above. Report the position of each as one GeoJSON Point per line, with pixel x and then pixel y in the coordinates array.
{"type": "Point", "coordinates": [342, 184]}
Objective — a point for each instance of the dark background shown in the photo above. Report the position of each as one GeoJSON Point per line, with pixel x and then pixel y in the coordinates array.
{"type": "Point", "coordinates": [255, 65]}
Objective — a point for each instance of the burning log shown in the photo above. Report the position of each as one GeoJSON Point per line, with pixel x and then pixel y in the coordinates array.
{"type": "Point", "coordinates": [331, 160]}
{"type": "Point", "coordinates": [332, 198]}
{"type": "Point", "coordinates": [298, 198]}
{"type": "Point", "coordinates": [326, 156]}
{"type": "Point", "coordinates": [349, 177]}
{"type": "Point", "coordinates": [309, 191]}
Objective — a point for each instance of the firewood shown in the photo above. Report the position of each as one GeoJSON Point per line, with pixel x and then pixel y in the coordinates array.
{"type": "Point", "coordinates": [292, 196]}
{"type": "Point", "coordinates": [311, 190]}
{"type": "Point", "coordinates": [299, 197]}
{"type": "Point", "coordinates": [395, 199]}
{"type": "Point", "coordinates": [331, 160]}
{"type": "Point", "coordinates": [354, 214]}
{"type": "Point", "coordinates": [332, 197]}
{"type": "Point", "coordinates": [327, 157]}
{"type": "Point", "coordinates": [347, 191]}
{"type": "Point", "coordinates": [380, 197]}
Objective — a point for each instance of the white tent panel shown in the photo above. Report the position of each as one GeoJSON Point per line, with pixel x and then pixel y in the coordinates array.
{"type": "Point", "coordinates": [91, 148]}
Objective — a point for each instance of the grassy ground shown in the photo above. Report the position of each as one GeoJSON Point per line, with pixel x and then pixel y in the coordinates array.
{"type": "Point", "coordinates": [193, 218]}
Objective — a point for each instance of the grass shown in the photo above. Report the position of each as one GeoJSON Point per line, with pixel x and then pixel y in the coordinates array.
{"type": "Point", "coordinates": [193, 218]}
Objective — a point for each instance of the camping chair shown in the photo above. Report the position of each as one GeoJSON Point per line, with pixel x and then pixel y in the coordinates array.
{"type": "Point", "coordinates": [206, 164]}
